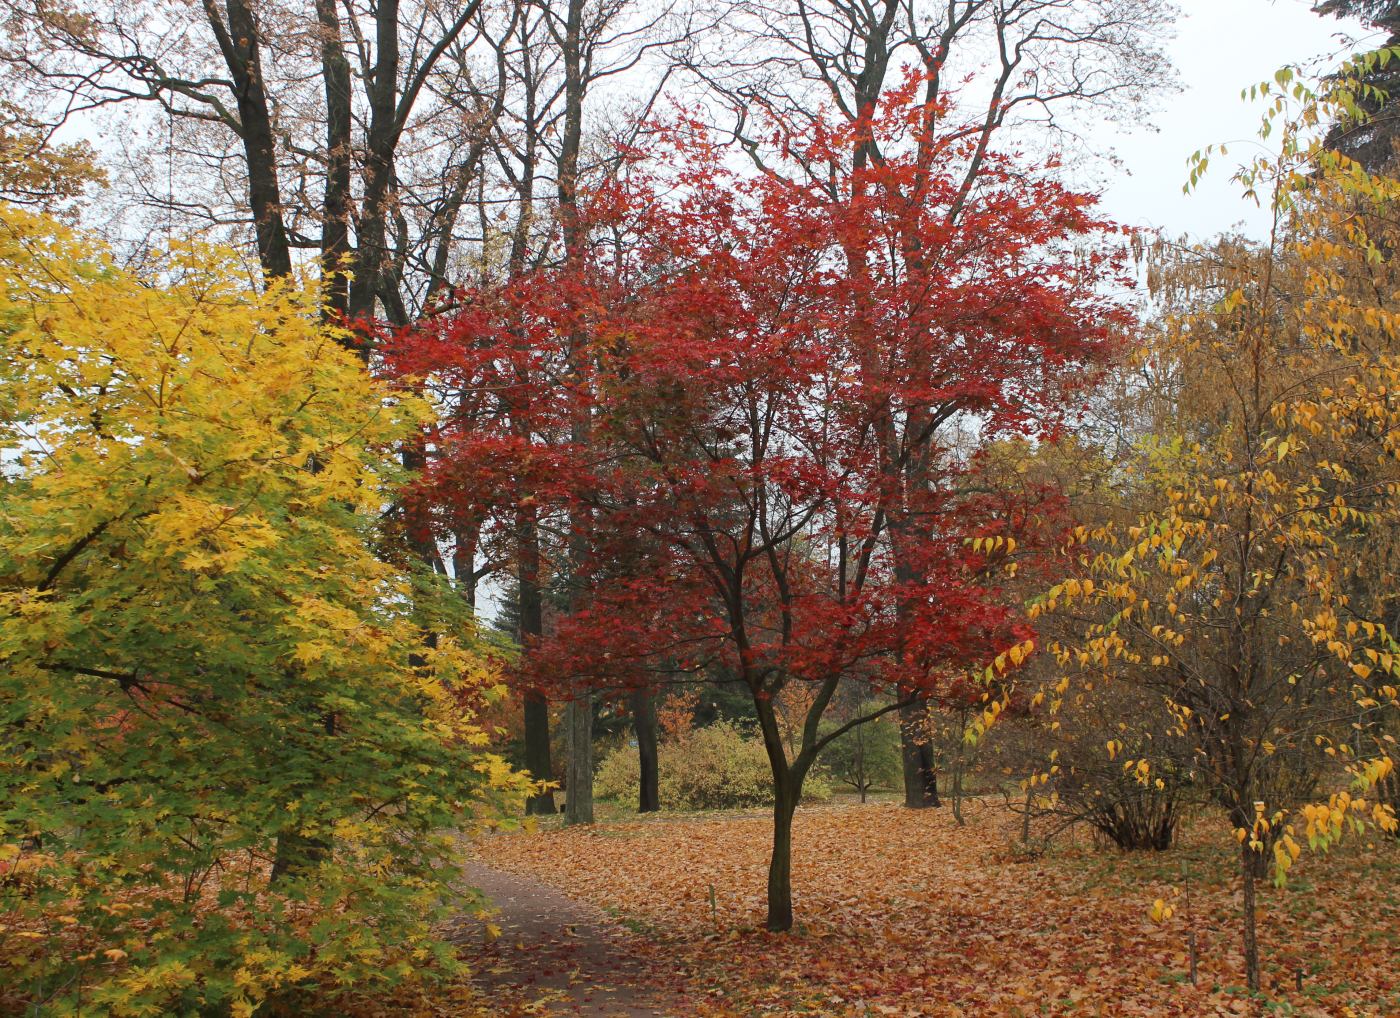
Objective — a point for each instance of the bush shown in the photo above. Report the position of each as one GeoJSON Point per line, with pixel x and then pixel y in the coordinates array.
{"type": "Point", "coordinates": [1133, 815]}
{"type": "Point", "coordinates": [716, 767]}
{"type": "Point", "coordinates": [619, 774]}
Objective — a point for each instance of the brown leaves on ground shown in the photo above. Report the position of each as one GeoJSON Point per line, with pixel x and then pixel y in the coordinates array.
{"type": "Point", "coordinates": [904, 913]}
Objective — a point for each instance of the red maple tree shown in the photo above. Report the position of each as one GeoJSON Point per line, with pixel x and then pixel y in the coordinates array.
{"type": "Point", "coordinates": [792, 378]}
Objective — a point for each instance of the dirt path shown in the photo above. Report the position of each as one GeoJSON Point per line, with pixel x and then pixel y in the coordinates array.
{"type": "Point", "coordinates": [563, 957]}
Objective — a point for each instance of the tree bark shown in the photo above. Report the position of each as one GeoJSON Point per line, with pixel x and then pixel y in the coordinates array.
{"type": "Point", "coordinates": [958, 767]}
{"type": "Point", "coordinates": [537, 755]}
{"type": "Point", "coordinates": [464, 563]}
{"type": "Point", "coordinates": [381, 142]}
{"type": "Point", "coordinates": [860, 761]}
{"type": "Point", "coordinates": [580, 764]}
{"type": "Point", "coordinates": [335, 224]}
{"type": "Point", "coordinates": [578, 806]}
{"type": "Point", "coordinates": [787, 793]}
{"type": "Point", "coordinates": [418, 525]}
{"type": "Point", "coordinates": [644, 725]}
{"type": "Point", "coordinates": [294, 852]}
{"type": "Point", "coordinates": [920, 778]}
{"type": "Point", "coordinates": [531, 627]}
{"type": "Point", "coordinates": [930, 775]}
{"type": "Point", "coordinates": [785, 800]}
{"type": "Point", "coordinates": [239, 42]}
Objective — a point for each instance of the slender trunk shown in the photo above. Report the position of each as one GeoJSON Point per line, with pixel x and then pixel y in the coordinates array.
{"type": "Point", "coordinates": [239, 41]}
{"type": "Point", "coordinates": [1248, 866]}
{"type": "Point", "coordinates": [644, 724]}
{"type": "Point", "coordinates": [581, 425]}
{"type": "Point", "coordinates": [571, 138]}
{"type": "Point", "coordinates": [1388, 792]}
{"type": "Point", "coordinates": [464, 542]}
{"type": "Point", "coordinates": [380, 144]}
{"type": "Point", "coordinates": [418, 526]}
{"type": "Point", "coordinates": [860, 760]}
{"type": "Point", "coordinates": [537, 756]}
{"type": "Point", "coordinates": [335, 224]}
{"type": "Point", "coordinates": [579, 711]}
{"type": "Point", "coordinates": [785, 800]}
{"type": "Point", "coordinates": [958, 787]}
{"type": "Point", "coordinates": [787, 792]}
{"type": "Point", "coordinates": [578, 806]}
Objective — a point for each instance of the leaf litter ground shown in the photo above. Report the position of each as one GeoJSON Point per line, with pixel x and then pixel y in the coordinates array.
{"type": "Point", "coordinates": [906, 913]}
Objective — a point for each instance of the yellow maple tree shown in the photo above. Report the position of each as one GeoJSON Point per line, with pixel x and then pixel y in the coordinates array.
{"type": "Point", "coordinates": [204, 666]}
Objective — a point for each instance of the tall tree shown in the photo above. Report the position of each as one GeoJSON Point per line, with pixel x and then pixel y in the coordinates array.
{"type": "Point", "coordinates": [544, 144]}
{"type": "Point", "coordinates": [242, 74]}
{"type": "Point", "coordinates": [988, 68]}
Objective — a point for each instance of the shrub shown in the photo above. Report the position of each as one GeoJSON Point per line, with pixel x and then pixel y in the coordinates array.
{"type": "Point", "coordinates": [1133, 815]}
{"type": "Point", "coordinates": [619, 774]}
{"type": "Point", "coordinates": [716, 767]}
{"type": "Point", "coordinates": [1103, 788]}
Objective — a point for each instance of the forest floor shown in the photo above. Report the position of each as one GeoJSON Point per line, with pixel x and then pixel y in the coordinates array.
{"type": "Point", "coordinates": [907, 913]}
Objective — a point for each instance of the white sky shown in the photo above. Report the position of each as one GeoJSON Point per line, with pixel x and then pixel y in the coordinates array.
{"type": "Point", "coordinates": [1221, 47]}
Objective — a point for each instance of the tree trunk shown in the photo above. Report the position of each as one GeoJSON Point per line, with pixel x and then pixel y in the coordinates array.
{"type": "Point", "coordinates": [644, 724]}
{"type": "Point", "coordinates": [537, 757]}
{"type": "Point", "coordinates": [579, 805]}
{"type": "Point", "coordinates": [780, 865]}
{"type": "Point", "coordinates": [239, 41]}
{"type": "Point", "coordinates": [335, 224]}
{"type": "Point", "coordinates": [920, 779]}
{"type": "Point", "coordinates": [787, 792]}
{"type": "Point", "coordinates": [418, 524]}
{"type": "Point", "coordinates": [578, 713]}
{"type": "Point", "coordinates": [380, 144]}
{"type": "Point", "coordinates": [464, 541]}
{"type": "Point", "coordinates": [1248, 866]}
{"type": "Point", "coordinates": [294, 852]}
{"type": "Point", "coordinates": [860, 760]}
{"type": "Point", "coordinates": [958, 787]}
{"type": "Point", "coordinates": [531, 627]}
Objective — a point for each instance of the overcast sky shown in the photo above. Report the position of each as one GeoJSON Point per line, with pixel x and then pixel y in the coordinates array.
{"type": "Point", "coordinates": [1221, 47]}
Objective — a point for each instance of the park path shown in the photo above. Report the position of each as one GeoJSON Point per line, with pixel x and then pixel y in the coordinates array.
{"type": "Point", "coordinates": [566, 957]}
